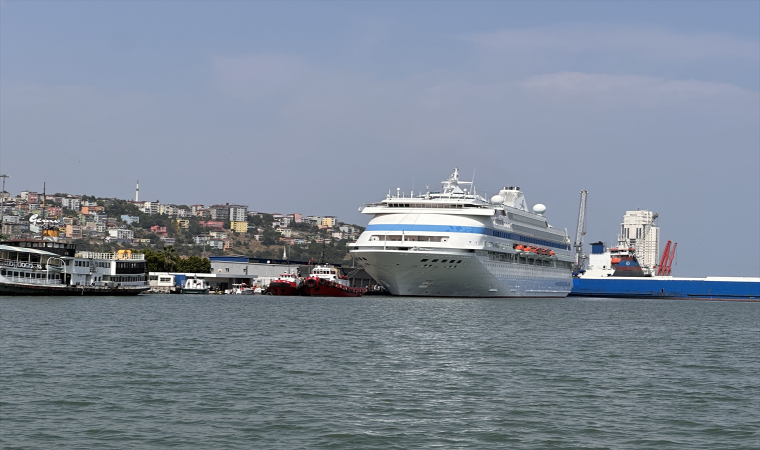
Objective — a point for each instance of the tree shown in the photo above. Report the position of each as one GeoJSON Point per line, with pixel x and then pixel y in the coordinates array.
{"type": "Point", "coordinates": [194, 264]}
{"type": "Point", "coordinates": [170, 258]}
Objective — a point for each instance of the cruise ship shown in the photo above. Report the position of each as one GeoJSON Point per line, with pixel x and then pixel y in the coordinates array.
{"type": "Point", "coordinates": [455, 243]}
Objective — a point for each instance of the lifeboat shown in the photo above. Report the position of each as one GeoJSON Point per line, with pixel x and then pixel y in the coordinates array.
{"type": "Point", "coordinates": [615, 261]}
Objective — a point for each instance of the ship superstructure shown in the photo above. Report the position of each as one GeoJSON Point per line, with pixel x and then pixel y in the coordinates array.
{"type": "Point", "coordinates": [455, 243]}
{"type": "Point", "coordinates": [639, 238]}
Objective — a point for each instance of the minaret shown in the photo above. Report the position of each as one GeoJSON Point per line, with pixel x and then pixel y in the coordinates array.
{"type": "Point", "coordinates": [137, 192]}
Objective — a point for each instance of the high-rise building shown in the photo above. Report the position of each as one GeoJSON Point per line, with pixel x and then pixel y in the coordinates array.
{"type": "Point", "coordinates": [639, 231]}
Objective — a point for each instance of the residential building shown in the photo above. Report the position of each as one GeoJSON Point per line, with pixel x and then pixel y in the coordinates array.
{"type": "Point", "coordinates": [201, 239]}
{"type": "Point", "coordinates": [239, 227]}
{"type": "Point", "coordinates": [74, 203]}
{"type": "Point", "coordinates": [211, 224]}
{"type": "Point", "coordinates": [316, 220]}
{"type": "Point", "coordinates": [238, 213]}
{"type": "Point", "coordinates": [33, 197]}
{"type": "Point", "coordinates": [121, 233]}
{"type": "Point", "coordinates": [167, 240]}
{"type": "Point", "coordinates": [330, 221]}
{"type": "Point", "coordinates": [217, 243]}
{"type": "Point", "coordinates": [195, 208]}
{"type": "Point", "coordinates": [130, 219]}
{"type": "Point", "coordinates": [158, 229]}
{"type": "Point", "coordinates": [220, 212]}
{"type": "Point", "coordinates": [89, 203]}
{"type": "Point", "coordinates": [89, 209]}
{"type": "Point", "coordinates": [150, 207]}
{"type": "Point", "coordinates": [219, 234]}
{"type": "Point", "coordinates": [182, 223]}
{"type": "Point", "coordinates": [169, 210]}
{"type": "Point", "coordinates": [54, 211]}
{"type": "Point", "coordinates": [74, 231]}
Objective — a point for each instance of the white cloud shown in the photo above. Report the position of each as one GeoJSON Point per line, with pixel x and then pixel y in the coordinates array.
{"type": "Point", "coordinates": [624, 90]}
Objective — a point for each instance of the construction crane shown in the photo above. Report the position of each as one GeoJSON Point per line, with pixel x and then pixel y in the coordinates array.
{"type": "Point", "coordinates": [581, 230]}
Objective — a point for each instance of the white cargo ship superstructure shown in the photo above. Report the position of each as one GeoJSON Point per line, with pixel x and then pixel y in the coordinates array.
{"type": "Point", "coordinates": [455, 243]}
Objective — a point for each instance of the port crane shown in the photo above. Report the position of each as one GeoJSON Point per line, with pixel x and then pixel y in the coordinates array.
{"type": "Point", "coordinates": [580, 258]}
{"type": "Point", "coordinates": [666, 261]}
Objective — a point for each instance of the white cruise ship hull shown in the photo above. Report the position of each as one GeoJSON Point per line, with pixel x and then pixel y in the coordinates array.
{"type": "Point", "coordinates": [464, 274]}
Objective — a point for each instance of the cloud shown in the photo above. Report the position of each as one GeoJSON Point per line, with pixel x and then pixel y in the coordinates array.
{"type": "Point", "coordinates": [628, 90]}
{"type": "Point", "coordinates": [650, 43]}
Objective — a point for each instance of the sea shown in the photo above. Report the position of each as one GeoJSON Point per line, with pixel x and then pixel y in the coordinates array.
{"type": "Point", "coordinates": [240, 372]}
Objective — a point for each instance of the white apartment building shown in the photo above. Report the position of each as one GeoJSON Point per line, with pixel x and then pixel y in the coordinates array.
{"type": "Point", "coordinates": [150, 207]}
{"type": "Point", "coordinates": [74, 203]}
{"type": "Point", "coordinates": [640, 232]}
{"type": "Point", "coordinates": [121, 233]}
{"type": "Point", "coordinates": [238, 213]}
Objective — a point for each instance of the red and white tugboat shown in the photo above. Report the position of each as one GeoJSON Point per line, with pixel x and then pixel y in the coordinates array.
{"type": "Point", "coordinates": [325, 281]}
{"type": "Point", "coordinates": [288, 284]}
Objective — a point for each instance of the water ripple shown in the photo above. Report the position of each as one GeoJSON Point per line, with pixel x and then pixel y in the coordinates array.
{"type": "Point", "coordinates": [272, 372]}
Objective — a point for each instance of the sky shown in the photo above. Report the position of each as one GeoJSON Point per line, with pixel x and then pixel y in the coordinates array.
{"type": "Point", "coordinates": [319, 107]}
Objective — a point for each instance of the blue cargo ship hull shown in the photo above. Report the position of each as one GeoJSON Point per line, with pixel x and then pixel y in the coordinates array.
{"type": "Point", "coordinates": [740, 289]}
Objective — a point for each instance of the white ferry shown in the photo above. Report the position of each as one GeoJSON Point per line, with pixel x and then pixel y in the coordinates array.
{"type": "Point", "coordinates": [455, 243]}
{"type": "Point", "coordinates": [41, 267]}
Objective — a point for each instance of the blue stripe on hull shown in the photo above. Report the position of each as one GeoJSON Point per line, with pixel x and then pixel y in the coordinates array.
{"type": "Point", "coordinates": [461, 229]}
{"type": "Point", "coordinates": [666, 288]}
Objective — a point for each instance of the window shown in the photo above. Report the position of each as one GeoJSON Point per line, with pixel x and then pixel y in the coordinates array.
{"type": "Point", "coordinates": [423, 260]}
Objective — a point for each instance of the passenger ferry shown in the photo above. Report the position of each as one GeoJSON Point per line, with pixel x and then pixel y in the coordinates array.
{"type": "Point", "coordinates": [455, 243]}
{"type": "Point", "coordinates": [42, 267]}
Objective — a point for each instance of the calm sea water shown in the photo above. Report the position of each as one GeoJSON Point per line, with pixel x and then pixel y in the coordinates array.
{"type": "Point", "coordinates": [219, 372]}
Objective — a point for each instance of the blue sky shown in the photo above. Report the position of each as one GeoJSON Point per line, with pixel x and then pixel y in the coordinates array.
{"type": "Point", "coordinates": [318, 107]}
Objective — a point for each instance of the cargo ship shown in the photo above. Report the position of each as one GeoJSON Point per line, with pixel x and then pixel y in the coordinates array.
{"type": "Point", "coordinates": [630, 270]}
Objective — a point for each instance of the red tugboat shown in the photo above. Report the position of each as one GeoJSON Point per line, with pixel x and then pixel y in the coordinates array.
{"type": "Point", "coordinates": [325, 282]}
{"type": "Point", "coordinates": [288, 284]}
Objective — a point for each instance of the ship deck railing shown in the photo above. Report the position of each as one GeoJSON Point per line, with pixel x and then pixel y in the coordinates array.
{"type": "Point", "coordinates": [38, 281]}
{"type": "Point", "coordinates": [111, 256]}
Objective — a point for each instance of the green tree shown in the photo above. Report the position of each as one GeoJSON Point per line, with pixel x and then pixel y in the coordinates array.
{"type": "Point", "coordinates": [170, 258]}
{"type": "Point", "coordinates": [194, 264]}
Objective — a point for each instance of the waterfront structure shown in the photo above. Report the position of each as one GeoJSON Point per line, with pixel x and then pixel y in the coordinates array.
{"type": "Point", "coordinates": [455, 243]}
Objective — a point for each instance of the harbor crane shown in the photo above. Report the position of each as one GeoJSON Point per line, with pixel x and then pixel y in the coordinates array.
{"type": "Point", "coordinates": [666, 262]}
{"type": "Point", "coordinates": [580, 258]}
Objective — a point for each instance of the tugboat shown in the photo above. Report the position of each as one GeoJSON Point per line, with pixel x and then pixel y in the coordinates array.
{"type": "Point", "coordinates": [288, 284]}
{"type": "Point", "coordinates": [324, 281]}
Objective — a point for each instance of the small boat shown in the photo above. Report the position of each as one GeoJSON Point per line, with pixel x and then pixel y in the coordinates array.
{"type": "Point", "coordinates": [324, 281]}
{"type": "Point", "coordinates": [195, 286]}
{"type": "Point", "coordinates": [240, 289]}
{"type": "Point", "coordinates": [288, 284]}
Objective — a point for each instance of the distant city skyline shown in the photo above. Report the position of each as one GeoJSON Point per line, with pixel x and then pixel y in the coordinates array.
{"type": "Point", "coordinates": [319, 107]}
